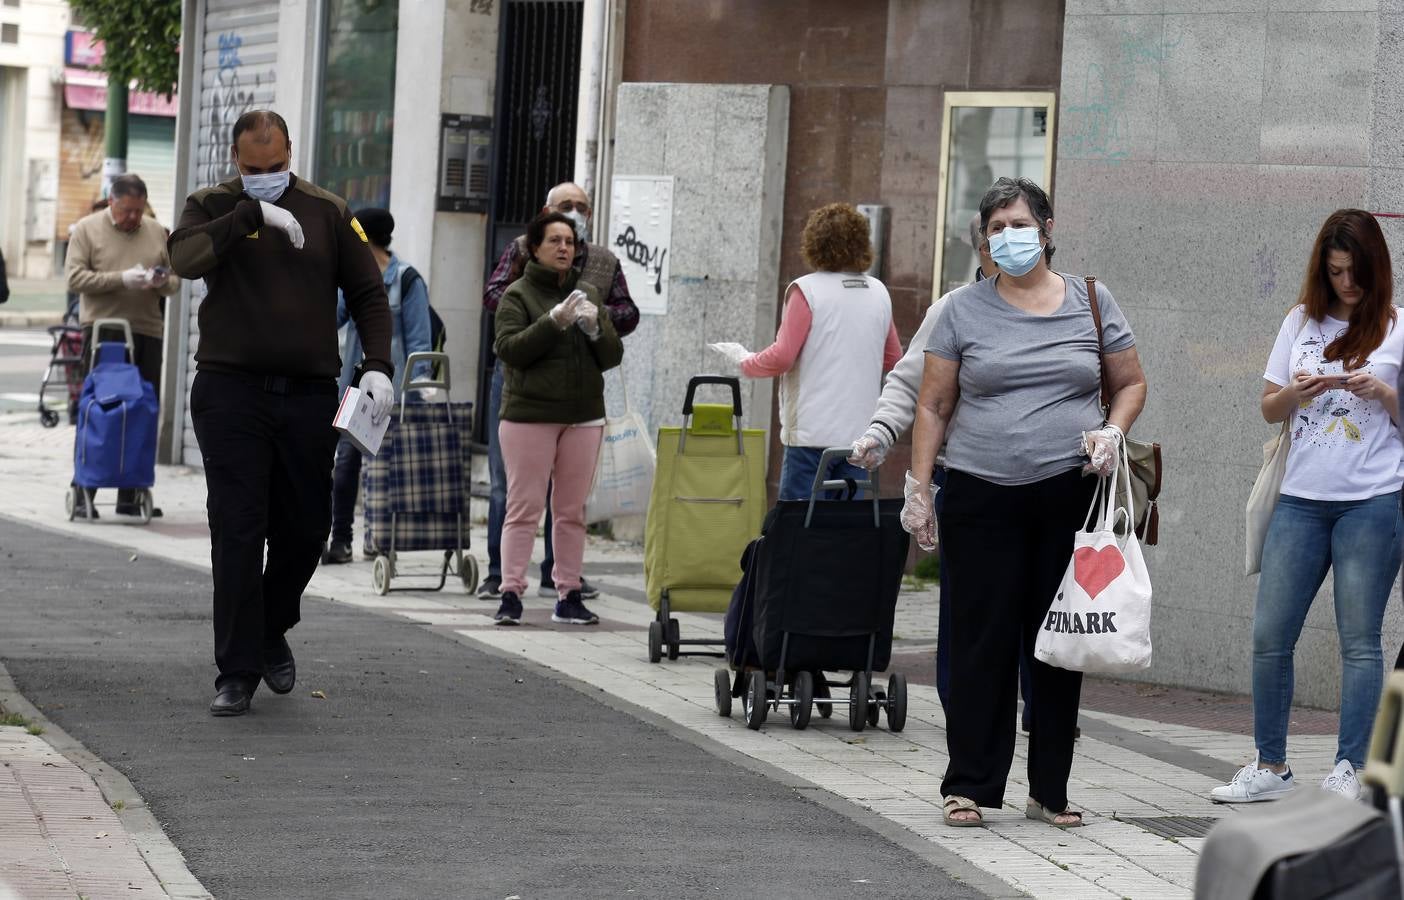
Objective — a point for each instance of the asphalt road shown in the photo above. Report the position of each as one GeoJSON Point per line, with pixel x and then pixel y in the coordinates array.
{"type": "Point", "coordinates": [23, 355]}
{"type": "Point", "coordinates": [431, 769]}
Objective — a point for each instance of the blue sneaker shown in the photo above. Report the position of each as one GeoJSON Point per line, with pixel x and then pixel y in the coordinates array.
{"type": "Point", "coordinates": [572, 611]}
{"type": "Point", "coordinates": [510, 611]}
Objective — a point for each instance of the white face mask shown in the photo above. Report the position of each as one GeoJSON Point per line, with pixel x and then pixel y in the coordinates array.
{"type": "Point", "coordinates": [267, 187]}
{"type": "Point", "coordinates": [582, 224]}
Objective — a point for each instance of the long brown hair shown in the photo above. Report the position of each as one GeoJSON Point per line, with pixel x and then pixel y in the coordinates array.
{"type": "Point", "coordinates": [1356, 232]}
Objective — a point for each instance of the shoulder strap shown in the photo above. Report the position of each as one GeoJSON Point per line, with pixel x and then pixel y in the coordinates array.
{"type": "Point", "coordinates": [1101, 352]}
{"type": "Point", "coordinates": [407, 277]}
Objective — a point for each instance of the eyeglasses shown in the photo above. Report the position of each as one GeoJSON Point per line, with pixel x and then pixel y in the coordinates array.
{"type": "Point", "coordinates": [573, 206]}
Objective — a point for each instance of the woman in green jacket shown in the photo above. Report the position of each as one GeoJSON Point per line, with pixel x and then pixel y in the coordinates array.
{"type": "Point", "coordinates": [555, 346]}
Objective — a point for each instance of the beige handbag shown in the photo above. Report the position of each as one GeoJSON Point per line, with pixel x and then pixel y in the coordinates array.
{"type": "Point", "coordinates": [1262, 500]}
{"type": "Point", "coordinates": [1144, 456]}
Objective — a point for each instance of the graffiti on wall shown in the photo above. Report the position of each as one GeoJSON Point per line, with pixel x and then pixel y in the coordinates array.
{"type": "Point", "coordinates": [1097, 122]}
{"type": "Point", "coordinates": [235, 92]}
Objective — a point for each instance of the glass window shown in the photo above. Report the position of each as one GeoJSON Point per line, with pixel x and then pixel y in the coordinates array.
{"type": "Point", "coordinates": [358, 101]}
{"type": "Point", "coordinates": [986, 136]}
{"type": "Point", "coordinates": [9, 33]}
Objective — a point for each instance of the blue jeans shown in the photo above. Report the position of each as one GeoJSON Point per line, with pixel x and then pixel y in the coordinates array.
{"type": "Point", "coordinates": [1360, 540]}
{"type": "Point", "coordinates": [798, 467]}
{"type": "Point", "coordinates": [497, 496]}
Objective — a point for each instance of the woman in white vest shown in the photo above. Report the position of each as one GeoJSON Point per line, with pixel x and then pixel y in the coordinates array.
{"type": "Point", "coordinates": [835, 340]}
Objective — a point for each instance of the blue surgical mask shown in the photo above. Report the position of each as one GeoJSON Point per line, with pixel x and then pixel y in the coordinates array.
{"type": "Point", "coordinates": [267, 187]}
{"type": "Point", "coordinates": [1016, 250]}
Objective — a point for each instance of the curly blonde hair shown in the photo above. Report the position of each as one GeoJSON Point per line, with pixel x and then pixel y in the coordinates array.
{"type": "Point", "coordinates": [836, 239]}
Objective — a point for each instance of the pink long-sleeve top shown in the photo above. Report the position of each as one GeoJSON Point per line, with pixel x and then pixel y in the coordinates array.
{"type": "Point", "coordinates": [779, 357]}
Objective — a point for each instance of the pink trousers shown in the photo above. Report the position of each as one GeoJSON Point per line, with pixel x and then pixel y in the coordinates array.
{"type": "Point", "coordinates": [535, 454]}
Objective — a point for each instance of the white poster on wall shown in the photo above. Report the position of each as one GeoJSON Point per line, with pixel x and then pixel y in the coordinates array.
{"type": "Point", "coordinates": [640, 234]}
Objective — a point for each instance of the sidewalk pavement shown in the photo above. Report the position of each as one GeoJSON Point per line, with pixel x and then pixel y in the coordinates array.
{"type": "Point", "coordinates": [1144, 766]}
{"type": "Point", "coordinates": [34, 303]}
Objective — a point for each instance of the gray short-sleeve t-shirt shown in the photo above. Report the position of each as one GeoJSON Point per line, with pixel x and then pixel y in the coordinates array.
{"type": "Point", "coordinates": [1029, 385]}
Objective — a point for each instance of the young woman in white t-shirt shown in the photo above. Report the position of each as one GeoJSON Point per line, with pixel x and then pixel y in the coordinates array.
{"type": "Point", "coordinates": [1334, 371]}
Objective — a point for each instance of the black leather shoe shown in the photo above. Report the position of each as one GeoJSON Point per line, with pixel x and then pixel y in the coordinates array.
{"type": "Point", "coordinates": [232, 700]}
{"type": "Point", "coordinates": [279, 667]}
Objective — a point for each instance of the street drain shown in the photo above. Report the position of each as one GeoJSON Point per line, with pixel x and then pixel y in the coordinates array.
{"type": "Point", "coordinates": [1174, 826]}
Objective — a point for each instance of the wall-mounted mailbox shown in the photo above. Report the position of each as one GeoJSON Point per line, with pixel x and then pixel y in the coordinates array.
{"type": "Point", "coordinates": [465, 163]}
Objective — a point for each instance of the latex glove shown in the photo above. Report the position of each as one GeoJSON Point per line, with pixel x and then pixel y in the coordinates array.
{"type": "Point", "coordinates": [919, 512]}
{"type": "Point", "coordinates": [376, 385]}
{"type": "Point", "coordinates": [281, 219]}
{"type": "Point", "coordinates": [1103, 448]}
{"type": "Point", "coordinates": [135, 278]}
{"type": "Point", "coordinates": [564, 313]}
{"type": "Point", "coordinates": [587, 318]}
{"type": "Point", "coordinates": [871, 449]}
{"type": "Point", "coordinates": [732, 351]}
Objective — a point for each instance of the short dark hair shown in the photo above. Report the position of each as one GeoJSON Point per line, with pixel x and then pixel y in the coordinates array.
{"type": "Point", "coordinates": [258, 120]}
{"type": "Point", "coordinates": [127, 186]}
{"type": "Point", "coordinates": [536, 230]}
{"type": "Point", "coordinates": [1007, 190]}
{"type": "Point", "coordinates": [378, 225]}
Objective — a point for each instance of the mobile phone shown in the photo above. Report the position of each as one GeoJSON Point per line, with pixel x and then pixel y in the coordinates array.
{"type": "Point", "coordinates": [160, 271]}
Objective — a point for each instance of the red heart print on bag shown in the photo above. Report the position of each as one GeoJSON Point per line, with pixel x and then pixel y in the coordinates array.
{"type": "Point", "coordinates": [1095, 569]}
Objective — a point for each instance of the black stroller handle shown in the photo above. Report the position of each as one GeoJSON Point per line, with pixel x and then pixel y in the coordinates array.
{"type": "Point", "coordinates": [869, 484]}
{"type": "Point", "coordinates": [730, 381]}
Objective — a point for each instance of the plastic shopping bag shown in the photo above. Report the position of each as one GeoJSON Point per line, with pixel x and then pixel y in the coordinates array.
{"type": "Point", "coordinates": [624, 473]}
{"type": "Point", "coordinates": [1099, 620]}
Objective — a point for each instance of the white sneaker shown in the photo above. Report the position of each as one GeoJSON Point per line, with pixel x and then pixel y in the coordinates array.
{"type": "Point", "coordinates": [1343, 781]}
{"type": "Point", "coordinates": [1252, 784]}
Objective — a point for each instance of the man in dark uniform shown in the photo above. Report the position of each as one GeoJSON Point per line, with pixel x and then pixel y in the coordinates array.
{"type": "Point", "coordinates": [273, 250]}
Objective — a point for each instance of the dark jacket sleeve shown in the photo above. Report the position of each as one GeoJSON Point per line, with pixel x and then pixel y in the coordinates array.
{"type": "Point", "coordinates": [364, 289]}
{"type": "Point", "coordinates": [521, 341]}
{"type": "Point", "coordinates": [622, 310]}
{"type": "Point", "coordinates": [4, 282]}
{"type": "Point", "coordinates": [201, 240]}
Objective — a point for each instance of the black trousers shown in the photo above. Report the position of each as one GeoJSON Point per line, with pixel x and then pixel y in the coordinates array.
{"type": "Point", "coordinates": [1006, 549]}
{"type": "Point", "coordinates": [268, 468]}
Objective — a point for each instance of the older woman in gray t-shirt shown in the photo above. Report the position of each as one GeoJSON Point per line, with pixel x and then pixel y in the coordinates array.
{"type": "Point", "coordinates": [1014, 361]}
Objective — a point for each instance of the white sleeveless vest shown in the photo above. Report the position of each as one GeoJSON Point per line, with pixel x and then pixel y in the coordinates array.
{"type": "Point", "coordinates": [828, 398]}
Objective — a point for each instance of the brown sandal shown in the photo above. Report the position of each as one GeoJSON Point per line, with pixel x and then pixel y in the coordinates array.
{"type": "Point", "coordinates": [954, 804]}
{"type": "Point", "coordinates": [1040, 813]}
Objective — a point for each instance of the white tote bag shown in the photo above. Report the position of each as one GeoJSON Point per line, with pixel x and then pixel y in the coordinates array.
{"type": "Point", "coordinates": [1262, 500]}
{"type": "Point", "coordinates": [1100, 619]}
{"type": "Point", "coordinates": [624, 472]}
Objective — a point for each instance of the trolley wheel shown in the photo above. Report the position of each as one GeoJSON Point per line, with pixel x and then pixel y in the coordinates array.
{"type": "Point", "coordinates": [896, 703]}
{"type": "Point", "coordinates": [858, 702]}
{"type": "Point", "coordinates": [48, 418]}
{"type": "Point", "coordinates": [875, 707]}
{"type": "Point", "coordinates": [753, 703]}
{"type": "Point", "coordinates": [821, 689]}
{"type": "Point", "coordinates": [146, 505]}
{"type": "Point", "coordinates": [380, 575]}
{"type": "Point", "coordinates": [655, 641]}
{"type": "Point", "coordinates": [674, 638]}
{"type": "Point", "coordinates": [721, 679]}
{"type": "Point", "coordinates": [468, 571]}
{"type": "Point", "coordinates": [70, 502]}
{"type": "Point", "coordinates": [803, 696]}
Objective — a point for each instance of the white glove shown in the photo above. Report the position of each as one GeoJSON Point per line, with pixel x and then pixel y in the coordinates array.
{"type": "Point", "coordinates": [1103, 450]}
{"type": "Point", "coordinates": [376, 385]}
{"type": "Point", "coordinates": [587, 318]}
{"type": "Point", "coordinates": [135, 278]}
{"type": "Point", "coordinates": [919, 512]}
{"type": "Point", "coordinates": [732, 351]}
{"type": "Point", "coordinates": [277, 217]}
{"type": "Point", "coordinates": [871, 449]}
{"type": "Point", "coordinates": [563, 313]}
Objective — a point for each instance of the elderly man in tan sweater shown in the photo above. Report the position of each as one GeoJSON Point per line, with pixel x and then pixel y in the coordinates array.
{"type": "Point", "coordinates": [117, 262]}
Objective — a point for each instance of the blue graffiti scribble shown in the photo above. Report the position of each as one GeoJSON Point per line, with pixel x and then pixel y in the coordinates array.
{"type": "Point", "coordinates": [1095, 123]}
{"type": "Point", "coordinates": [1265, 269]}
{"type": "Point", "coordinates": [229, 44]}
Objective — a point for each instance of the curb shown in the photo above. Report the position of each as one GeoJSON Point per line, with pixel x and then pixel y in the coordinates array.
{"type": "Point", "coordinates": [30, 319]}
{"type": "Point", "coordinates": [160, 855]}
